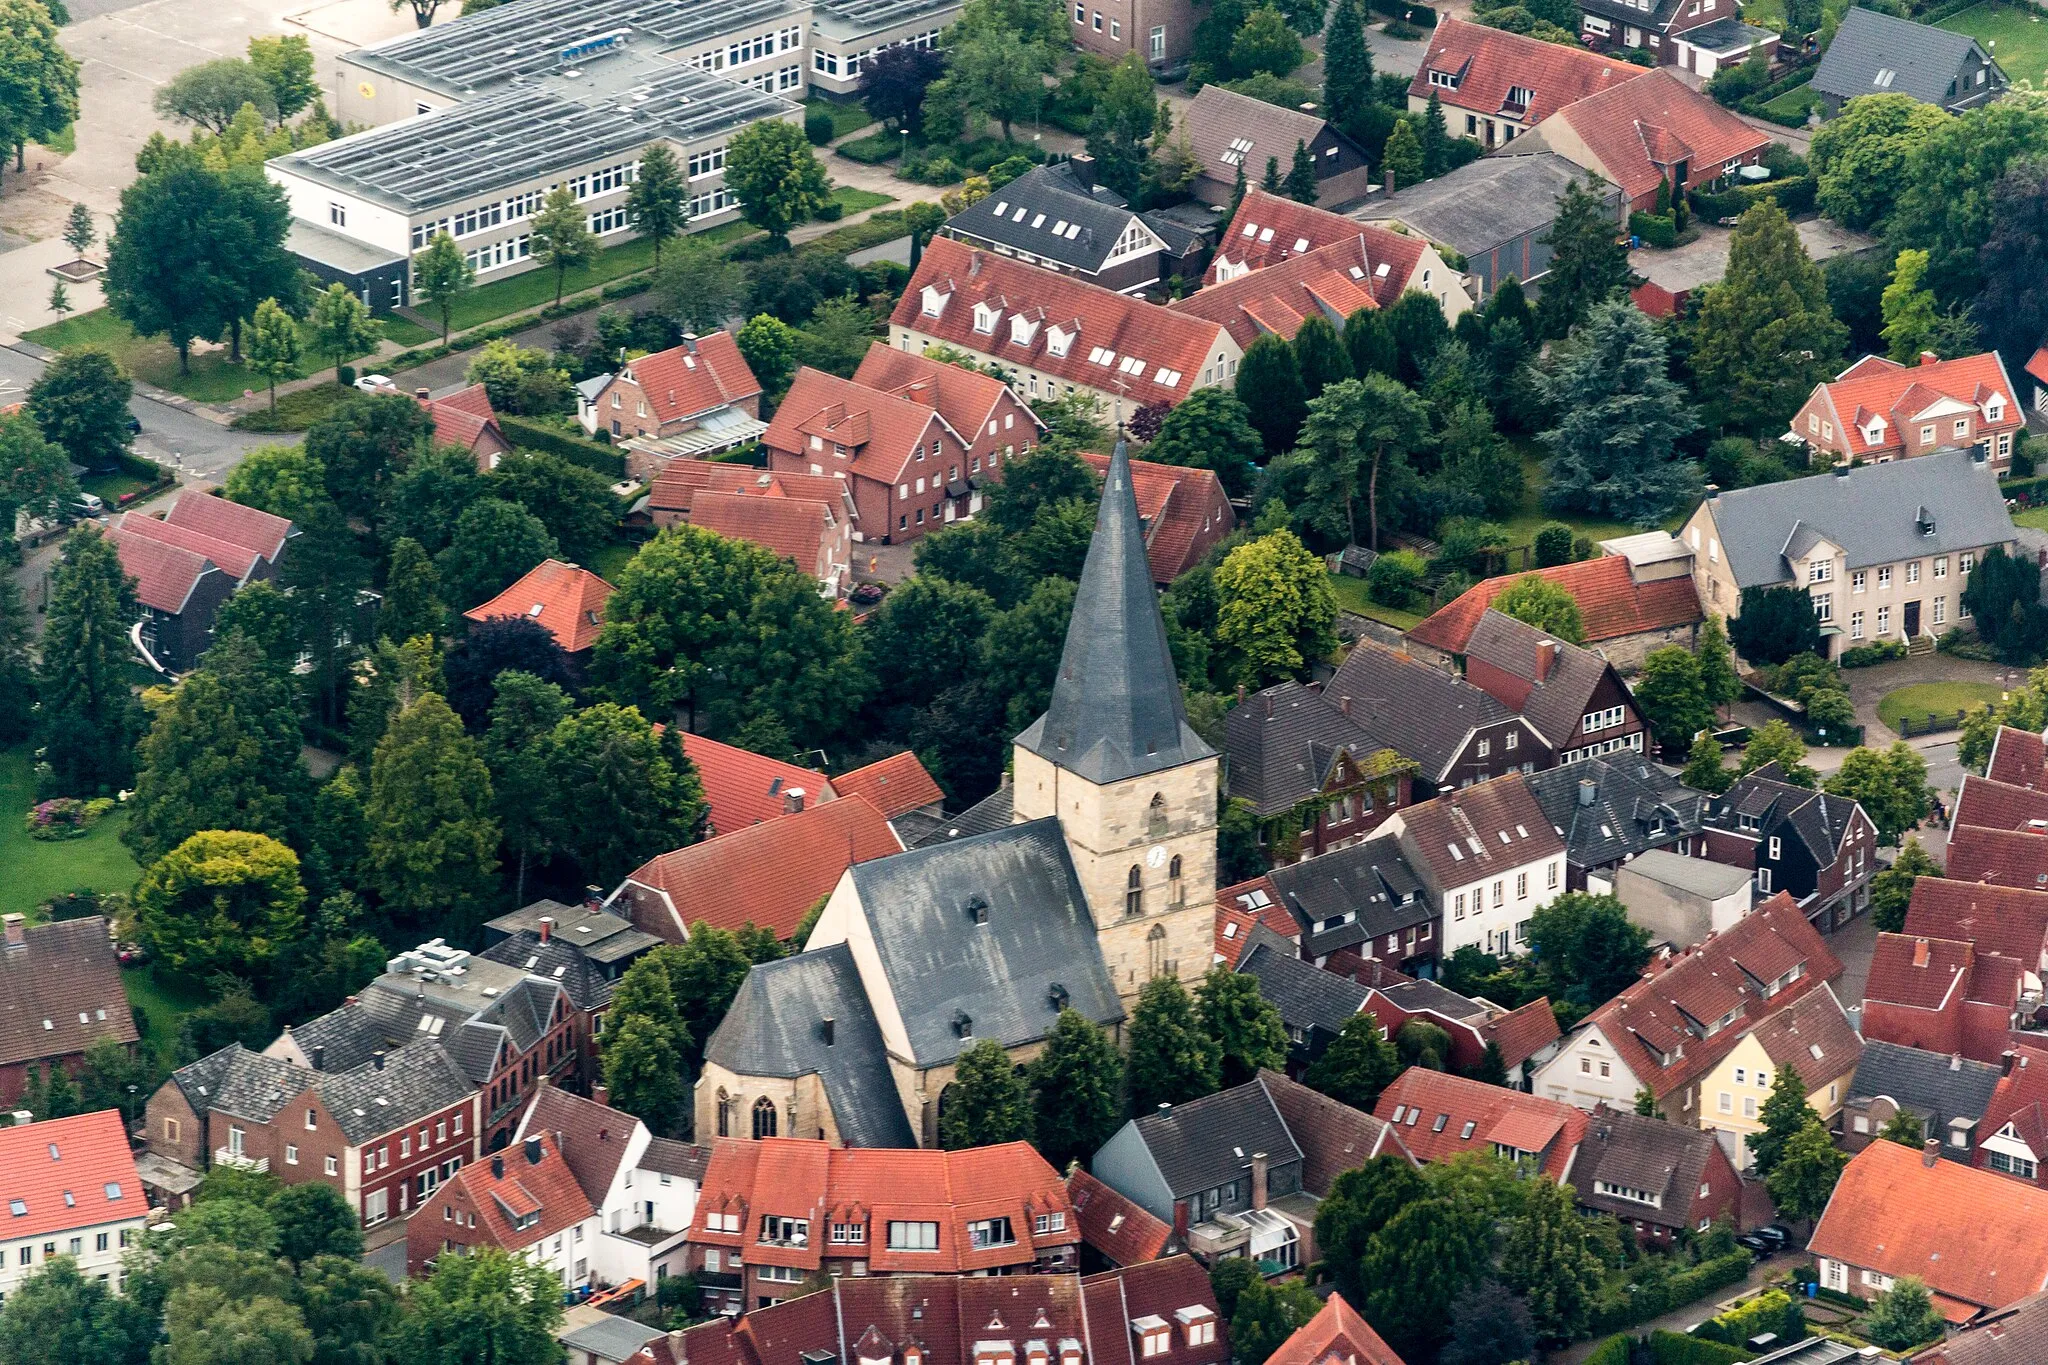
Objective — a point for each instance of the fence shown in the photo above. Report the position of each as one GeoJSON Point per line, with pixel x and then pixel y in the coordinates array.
{"type": "Point", "coordinates": [1929, 724]}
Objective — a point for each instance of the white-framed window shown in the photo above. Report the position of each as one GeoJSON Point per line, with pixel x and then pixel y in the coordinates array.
{"type": "Point", "coordinates": [1820, 570]}
{"type": "Point", "coordinates": [1884, 620]}
{"type": "Point", "coordinates": [1941, 566]}
{"type": "Point", "coordinates": [1966, 562]}
{"type": "Point", "coordinates": [337, 214]}
{"type": "Point", "coordinates": [913, 1236]}
{"type": "Point", "coordinates": [1940, 610]}
{"type": "Point", "coordinates": [332, 1166]}
{"type": "Point", "coordinates": [1884, 576]}
{"type": "Point", "coordinates": [1912, 571]}
{"type": "Point", "coordinates": [291, 1154]}
{"type": "Point", "coordinates": [1157, 43]}
{"type": "Point", "coordinates": [1763, 880]}
{"type": "Point", "coordinates": [1855, 625]}
{"type": "Point", "coordinates": [1823, 607]}
{"type": "Point", "coordinates": [1550, 875]}
{"type": "Point", "coordinates": [709, 162]}
{"type": "Point", "coordinates": [1777, 847]}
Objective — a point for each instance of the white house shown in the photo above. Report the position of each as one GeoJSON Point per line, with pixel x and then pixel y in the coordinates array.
{"type": "Point", "coordinates": [1490, 859]}
{"type": "Point", "coordinates": [70, 1189]}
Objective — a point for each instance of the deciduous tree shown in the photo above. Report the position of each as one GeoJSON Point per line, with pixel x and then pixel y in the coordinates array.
{"type": "Point", "coordinates": [1589, 942]}
{"type": "Point", "coordinates": [1172, 1058]}
{"type": "Point", "coordinates": [986, 1103]}
{"type": "Point", "coordinates": [1361, 431]}
{"type": "Point", "coordinates": [698, 288]}
{"type": "Point", "coordinates": [487, 1306]}
{"type": "Point", "coordinates": [1945, 196]}
{"type": "Point", "coordinates": [275, 351]}
{"type": "Point", "coordinates": [211, 93]}
{"type": "Point", "coordinates": [1891, 890]}
{"type": "Point", "coordinates": [36, 480]}
{"type": "Point", "coordinates": [282, 480]}
{"type": "Point", "coordinates": [1890, 785]}
{"type": "Point", "coordinates": [441, 275]}
{"type": "Point", "coordinates": [57, 1316]}
{"type": "Point", "coordinates": [341, 322]}
{"type": "Point", "coordinates": [1358, 1064]}
{"type": "Point", "coordinates": [658, 201]}
{"type": "Point", "coordinates": [562, 239]}
{"type": "Point", "coordinates": [1904, 1316]}
{"type": "Point", "coordinates": [1076, 1090]}
{"type": "Point", "coordinates": [1546, 605]}
{"type": "Point", "coordinates": [80, 402]}
{"type": "Point", "coordinates": [1265, 43]}
{"type": "Point", "coordinates": [637, 793]}
{"type": "Point", "coordinates": [1210, 429]}
{"type": "Point", "coordinates": [1548, 1257]}
{"type": "Point", "coordinates": [1319, 355]}
{"type": "Point", "coordinates": [1245, 1025]}
{"type": "Point", "coordinates": [1276, 610]}
{"type": "Point", "coordinates": [286, 64]}
{"type": "Point", "coordinates": [1673, 697]}
{"type": "Point", "coordinates": [1704, 770]}
{"type": "Point", "coordinates": [1359, 1203]}
{"type": "Point", "coordinates": [770, 168]}
{"type": "Point", "coordinates": [222, 901]}
{"type": "Point", "coordinates": [1859, 159]}
{"type": "Point", "coordinates": [494, 543]}
{"type": "Point", "coordinates": [1806, 1172]}
{"type": "Point", "coordinates": [1415, 1267]}
{"type": "Point", "coordinates": [433, 843]}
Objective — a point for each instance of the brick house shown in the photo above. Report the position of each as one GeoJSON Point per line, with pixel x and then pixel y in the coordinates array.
{"type": "Point", "coordinates": [178, 593]}
{"type": "Point", "coordinates": [1663, 1179]}
{"type": "Point", "coordinates": [1185, 511]}
{"type": "Point", "coordinates": [2019, 758]}
{"type": "Point", "coordinates": [1820, 848]}
{"type": "Point", "coordinates": [1336, 1332]}
{"type": "Point", "coordinates": [60, 992]}
{"type": "Point", "coordinates": [466, 420]}
{"type": "Point", "coordinates": [72, 1190]}
{"type": "Point", "coordinates": [1114, 1231]}
{"type": "Point", "coordinates": [1651, 131]}
{"type": "Point", "coordinates": [809, 533]}
{"type": "Point", "coordinates": [524, 1200]}
{"type": "Point", "coordinates": [1878, 410]}
{"type": "Point", "coordinates": [777, 1211]}
{"type": "Point", "coordinates": [2010, 921]}
{"type": "Point", "coordinates": [1440, 1116]}
{"type": "Point", "coordinates": [1574, 698]}
{"type": "Point", "coordinates": [1236, 134]}
{"type": "Point", "coordinates": [1944, 995]}
{"type": "Point", "coordinates": [2012, 1138]}
{"type": "Point", "coordinates": [1160, 31]}
{"type": "Point", "coordinates": [691, 401]}
{"type": "Point", "coordinates": [1495, 86]}
{"type": "Point", "coordinates": [1315, 776]}
{"type": "Point", "coordinates": [1455, 732]}
{"type": "Point", "coordinates": [383, 1134]}
{"type": "Point", "coordinates": [566, 599]}
{"type": "Point", "coordinates": [1652, 25]}
{"type": "Point", "coordinates": [990, 417]}
{"type": "Point", "coordinates": [1627, 611]}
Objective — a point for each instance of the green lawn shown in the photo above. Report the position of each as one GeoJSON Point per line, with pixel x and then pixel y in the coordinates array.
{"type": "Point", "coordinates": [1794, 102]}
{"type": "Point", "coordinates": [2014, 34]}
{"type": "Point", "coordinates": [536, 287]}
{"type": "Point", "coordinates": [611, 561]}
{"type": "Point", "coordinates": [1524, 524]}
{"type": "Point", "coordinates": [2036, 517]}
{"type": "Point", "coordinates": [112, 487]}
{"type": "Point", "coordinates": [859, 201]}
{"type": "Point", "coordinates": [163, 1004]}
{"type": "Point", "coordinates": [1351, 596]}
{"type": "Point", "coordinates": [296, 410]}
{"type": "Point", "coordinates": [36, 870]}
{"type": "Point", "coordinates": [846, 118]}
{"type": "Point", "coordinates": [1941, 699]}
{"type": "Point", "coordinates": [150, 359]}
{"type": "Point", "coordinates": [406, 332]}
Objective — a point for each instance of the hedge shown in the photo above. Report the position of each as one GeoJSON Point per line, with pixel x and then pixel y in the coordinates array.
{"type": "Point", "coordinates": [1795, 194]}
{"type": "Point", "coordinates": [136, 467]}
{"type": "Point", "coordinates": [529, 435]}
{"type": "Point", "coordinates": [1676, 1348]}
{"type": "Point", "coordinates": [1656, 230]}
{"type": "Point", "coordinates": [873, 149]}
{"type": "Point", "coordinates": [1687, 1286]}
{"type": "Point", "coordinates": [1772, 1311]}
{"type": "Point", "coordinates": [2025, 491]}
{"type": "Point", "coordinates": [1613, 1351]}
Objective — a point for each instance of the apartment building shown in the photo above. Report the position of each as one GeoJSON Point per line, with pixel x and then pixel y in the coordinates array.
{"type": "Point", "coordinates": [70, 1189]}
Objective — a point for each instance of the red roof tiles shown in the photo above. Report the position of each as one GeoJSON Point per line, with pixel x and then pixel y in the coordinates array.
{"type": "Point", "coordinates": [1236, 917]}
{"type": "Point", "coordinates": [164, 574]}
{"type": "Point", "coordinates": [1611, 603]}
{"type": "Point", "coordinates": [1338, 1334]}
{"type": "Point", "coordinates": [1268, 229]}
{"type": "Point", "coordinates": [68, 1173]}
{"type": "Point", "coordinates": [547, 1188]}
{"type": "Point", "coordinates": [237, 561]}
{"type": "Point", "coordinates": [566, 599]}
{"type": "Point", "coordinates": [1899, 393]}
{"type": "Point", "coordinates": [1639, 129]}
{"type": "Point", "coordinates": [2018, 757]}
{"type": "Point", "coordinates": [232, 522]}
{"type": "Point", "coordinates": [2001, 805]}
{"type": "Point", "coordinates": [1371, 268]}
{"type": "Point", "coordinates": [2010, 921]}
{"type": "Point", "coordinates": [2021, 1100]}
{"type": "Point", "coordinates": [676, 486]}
{"type": "Point", "coordinates": [1522, 1033]}
{"type": "Point", "coordinates": [966, 398]}
{"type": "Point", "coordinates": [2002, 857]}
{"type": "Point", "coordinates": [1438, 1115]}
{"type": "Point", "coordinates": [1080, 332]}
{"type": "Point", "coordinates": [766, 875]}
{"type": "Point", "coordinates": [1185, 512]}
{"type": "Point", "coordinates": [745, 788]}
{"type": "Point", "coordinates": [465, 420]}
{"type": "Point", "coordinates": [895, 785]}
{"type": "Point", "coordinates": [880, 431]}
{"type": "Point", "coordinates": [701, 375]}
{"type": "Point", "coordinates": [1489, 63]}
{"type": "Point", "coordinates": [1122, 1231]}
{"type": "Point", "coordinates": [795, 529]}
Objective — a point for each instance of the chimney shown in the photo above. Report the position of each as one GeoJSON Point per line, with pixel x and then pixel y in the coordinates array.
{"type": "Point", "coordinates": [1546, 655]}
{"type": "Point", "coordinates": [2005, 1061]}
{"type": "Point", "coordinates": [826, 1028]}
{"type": "Point", "coordinates": [17, 931]}
{"type": "Point", "coordinates": [1083, 167]}
{"type": "Point", "coordinates": [793, 801]}
{"type": "Point", "coordinates": [1920, 952]}
{"type": "Point", "coordinates": [1164, 1109]}
{"type": "Point", "coordinates": [1344, 705]}
{"type": "Point", "coordinates": [319, 1057]}
{"type": "Point", "coordinates": [547, 927]}
{"type": "Point", "coordinates": [1240, 697]}
{"type": "Point", "coordinates": [1840, 471]}
{"type": "Point", "coordinates": [377, 1059]}
{"type": "Point", "coordinates": [599, 1094]}
{"type": "Point", "coordinates": [593, 896]}
{"type": "Point", "coordinates": [1259, 1167]}
{"type": "Point", "coordinates": [690, 342]}
{"type": "Point", "coordinates": [1929, 358]}
{"type": "Point", "coordinates": [1588, 791]}
{"type": "Point", "coordinates": [497, 1168]}
{"type": "Point", "coordinates": [1955, 1061]}
{"type": "Point", "coordinates": [533, 1151]}
{"type": "Point", "coordinates": [1268, 699]}
{"type": "Point", "coordinates": [424, 395]}
{"type": "Point", "coordinates": [1930, 1152]}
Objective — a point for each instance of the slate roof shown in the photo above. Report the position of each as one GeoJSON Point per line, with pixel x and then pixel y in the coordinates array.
{"type": "Point", "coordinates": [2009, 921]}
{"type": "Point", "coordinates": [1336, 1332]}
{"type": "Point", "coordinates": [895, 786]}
{"type": "Point", "coordinates": [600, 935]}
{"type": "Point", "coordinates": [237, 1081]}
{"type": "Point", "coordinates": [1489, 62]}
{"type": "Point", "coordinates": [775, 1028]}
{"type": "Point", "coordinates": [1868, 511]}
{"type": "Point", "coordinates": [1635, 131]}
{"type": "Point", "coordinates": [566, 599]}
{"type": "Point", "coordinates": [1333, 1137]}
{"type": "Point", "coordinates": [1935, 1085]}
{"type": "Point", "coordinates": [1185, 512]}
{"type": "Point", "coordinates": [1630, 796]}
{"type": "Point", "coordinates": [1283, 743]}
{"type": "Point", "coordinates": [1306, 995]}
{"type": "Point", "coordinates": [416, 1081]}
{"type": "Point", "coordinates": [1923, 61]}
{"type": "Point", "coordinates": [1372, 880]}
{"type": "Point", "coordinates": [1652, 1155]}
{"type": "Point", "coordinates": [670, 1157]}
{"type": "Point", "coordinates": [1216, 118]}
{"type": "Point", "coordinates": [1485, 204]}
{"type": "Point", "coordinates": [61, 992]}
{"type": "Point", "coordinates": [1122, 1231]}
{"type": "Point", "coordinates": [1414, 708]}
{"type": "Point", "coordinates": [1204, 1143]}
{"type": "Point", "coordinates": [1554, 701]}
{"type": "Point", "coordinates": [2017, 1335]}
{"type": "Point", "coordinates": [1116, 709]}
{"type": "Point", "coordinates": [1461, 836]}
{"type": "Point", "coordinates": [995, 977]}
{"type": "Point", "coordinates": [1044, 212]}
{"type": "Point", "coordinates": [995, 811]}
{"type": "Point", "coordinates": [1612, 605]}
{"type": "Point", "coordinates": [1817, 819]}
{"type": "Point", "coordinates": [74, 1172]}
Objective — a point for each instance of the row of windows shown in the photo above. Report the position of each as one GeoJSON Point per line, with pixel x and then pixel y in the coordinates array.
{"type": "Point", "coordinates": [748, 50]}
{"type": "Point", "coordinates": [706, 163]}
{"type": "Point", "coordinates": [1937, 608]}
{"type": "Point", "coordinates": [75, 1247]}
{"type": "Point", "coordinates": [769, 82]}
{"type": "Point", "coordinates": [498, 254]}
{"type": "Point", "coordinates": [715, 201]}
{"type": "Point", "coordinates": [1605, 720]}
{"type": "Point", "coordinates": [605, 181]}
{"type": "Point", "coordinates": [1500, 893]}
{"type": "Point", "coordinates": [522, 205]}
{"type": "Point", "coordinates": [613, 219]}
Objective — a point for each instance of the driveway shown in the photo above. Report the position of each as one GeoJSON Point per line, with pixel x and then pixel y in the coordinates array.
{"type": "Point", "coordinates": [1704, 260]}
{"type": "Point", "coordinates": [1869, 686]}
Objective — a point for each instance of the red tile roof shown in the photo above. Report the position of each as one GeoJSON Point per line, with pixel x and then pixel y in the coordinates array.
{"type": "Point", "coordinates": [1122, 1231]}
{"type": "Point", "coordinates": [232, 522]}
{"type": "Point", "coordinates": [1338, 1334]}
{"type": "Point", "coordinates": [1899, 393]}
{"type": "Point", "coordinates": [880, 431]}
{"type": "Point", "coordinates": [2001, 805]}
{"type": "Point", "coordinates": [548, 1188]}
{"type": "Point", "coordinates": [745, 788]}
{"type": "Point", "coordinates": [568, 600]}
{"type": "Point", "coordinates": [1524, 1032]}
{"type": "Point", "coordinates": [2019, 757]}
{"type": "Point", "coordinates": [2002, 857]}
{"type": "Point", "coordinates": [1611, 603]}
{"type": "Point", "coordinates": [677, 486]}
{"type": "Point", "coordinates": [1648, 1024]}
{"type": "Point", "coordinates": [1438, 1115]}
{"type": "Point", "coordinates": [965, 398]}
{"type": "Point", "coordinates": [1498, 821]}
{"type": "Point", "coordinates": [237, 561]}
{"type": "Point", "coordinates": [1368, 269]}
{"type": "Point", "coordinates": [1094, 320]}
{"type": "Point", "coordinates": [1488, 63]}
{"type": "Point", "coordinates": [592, 1137]}
{"type": "Point", "coordinates": [1972, 1236]}
{"type": "Point", "coordinates": [1235, 920]}
{"type": "Point", "coordinates": [164, 574]}
{"type": "Point", "coordinates": [767, 874]}
{"type": "Point", "coordinates": [2007, 920]}
{"type": "Point", "coordinates": [464, 419]}
{"type": "Point", "coordinates": [1634, 127]}
{"type": "Point", "coordinates": [68, 1173]}
{"type": "Point", "coordinates": [2021, 1100]}
{"type": "Point", "coordinates": [895, 785]}
{"type": "Point", "coordinates": [1268, 229]}
{"type": "Point", "coordinates": [809, 1179]}
{"type": "Point", "coordinates": [1185, 511]}
{"type": "Point", "coordinates": [794, 529]}
{"type": "Point", "coordinates": [695, 377]}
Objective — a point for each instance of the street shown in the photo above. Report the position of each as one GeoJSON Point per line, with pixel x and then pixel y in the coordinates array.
{"type": "Point", "coordinates": [171, 435]}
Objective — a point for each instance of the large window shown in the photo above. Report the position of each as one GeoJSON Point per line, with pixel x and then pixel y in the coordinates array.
{"type": "Point", "coordinates": [764, 1117]}
{"type": "Point", "coordinates": [794, 1232]}
{"type": "Point", "coordinates": [990, 1232]}
{"type": "Point", "coordinates": [2012, 1165]}
{"type": "Point", "coordinates": [913, 1236]}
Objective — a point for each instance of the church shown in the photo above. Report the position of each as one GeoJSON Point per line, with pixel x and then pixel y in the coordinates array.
{"type": "Point", "coordinates": [1096, 872]}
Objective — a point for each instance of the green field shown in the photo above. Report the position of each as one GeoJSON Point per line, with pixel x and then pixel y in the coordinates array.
{"type": "Point", "coordinates": [1939, 699]}
{"type": "Point", "coordinates": [1524, 524]}
{"type": "Point", "coordinates": [212, 379]}
{"type": "Point", "coordinates": [406, 332]}
{"type": "Point", "coordinates": [1351, 596]}
{"type": "Point", "coordinates": [846, 118]}
{"type": "Point", "coordinates": [2036, 517]}
{"type": "Point", "coordinates": [2015, 35]}
{"type": "Point", "coordinates": [859, 201]}
{"type": "Point", "coordinates": [36, 870]}
{"type": "Point", "coordinates": [536, 288]}
{"type": "Point", "coordinates": [612, 560]}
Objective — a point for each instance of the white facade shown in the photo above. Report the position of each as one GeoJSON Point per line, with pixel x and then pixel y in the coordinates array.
{"type": "Point", "coordinates": [1587, 1071]}
{"type": "Point", "coordinates": [97, 1248]}
{"type": "Point", "coordinates": [1492, 914]}
{"type": "Point", "coordinates": [637, 1230]}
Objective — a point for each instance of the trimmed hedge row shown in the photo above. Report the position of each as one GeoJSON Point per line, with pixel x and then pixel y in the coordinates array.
{"type": "Point", "coordinates": [1613, 1351]}
{"type": "Point", "coordinates": [1676, 1348]}
{"type": "Point", "coordinates": [530, 435]}
{"type": "Point", "coordinates": [2025, 491]}
{"type": "Point", "coordinates": [1655, 229]}
{"type": "Point", "coordinates": [1794, 194]}
{"type": "Point", "coordinates": [1685, 1287]}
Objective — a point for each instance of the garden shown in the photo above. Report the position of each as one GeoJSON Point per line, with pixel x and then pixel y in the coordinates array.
{"type": "Point", "coordinates": [40, 867]}
{"type": "Point", "coordinates": [1912, 708]}
{"type": "Point", "coordinates": [2013, 34]}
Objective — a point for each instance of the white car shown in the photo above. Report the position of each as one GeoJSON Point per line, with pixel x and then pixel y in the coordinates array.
{"type": "Point", "coordinates": [376, 383]}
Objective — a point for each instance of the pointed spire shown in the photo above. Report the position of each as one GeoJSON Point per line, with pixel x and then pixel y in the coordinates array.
{"type": "Point", "coordinates": [1116, 709]}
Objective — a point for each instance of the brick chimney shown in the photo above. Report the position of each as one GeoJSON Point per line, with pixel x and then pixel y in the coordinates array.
{"type": "Point", "coordinates": [600, 1095]}
{"type": "Point", "coordinates": [17, 932]}
{"type": "Point", "coordinates": [1082, 166]}
{"type": "Point", "coordinates": [1920, 953]}
{"type": "Point", "coordinates": [547, 927]}
{"type": "Point", "coordinates": [1930, 1152]}
{"type": "Point", "coordinates": [1260, 1166]}
{"type": "Point", "coordinates": [1344, 705]}
{"type": "Point", "coordinates": [793, 800]}
{"type": "Point", "coordinates": [1546, 656]}
{"type": "Point", "coordinates": [1929, 358]}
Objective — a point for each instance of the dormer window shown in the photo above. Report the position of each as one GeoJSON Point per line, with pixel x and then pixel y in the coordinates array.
{"type": "Point", "coordinates": [1022, 331]}
{"type": "Point", "coordinates": [1057, 341]}
{"type": "Point", "coordinates": [1444, 80]}
{"type": "Point", "coordinates": [985, 318]}
{"type": "Point", "coordinates": [1994, 411]}
{"type": "Point", "coordinates": [1197, 1324]}
{"type": "Point", "coordinates": [1154, 1337]}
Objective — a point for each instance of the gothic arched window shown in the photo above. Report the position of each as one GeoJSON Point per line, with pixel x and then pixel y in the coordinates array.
{"type": "Point", "coordinates": [1155, 818]}
{"type": "Point", "coordinates": [1134, 891]}
{"type": "Point", "coordinates": [1175, 894]}
{"type": "Point", "coordinates": [1155, 950]}
{"type": "Point", "coordinates": [764, 1117]}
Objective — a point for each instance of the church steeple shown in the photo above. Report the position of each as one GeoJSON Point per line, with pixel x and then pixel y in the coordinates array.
{"type": "Point", "coordinates": [1116, 710]}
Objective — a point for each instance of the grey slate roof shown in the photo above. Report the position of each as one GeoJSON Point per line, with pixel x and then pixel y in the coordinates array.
{"type": "Point", "coordinates": [994, 811]}
{"type": "Point", "coordinates": [1371, 880]}
{"type": "Point", "coordinates": [245, 1084]}
{"type": "Point", "coordinates": [1725, 37]}
{"type": "Point", "coordinates": [1630, 796]}
{"type": "Point", "coordinates": [2015, 1335]}
{"type": "Point", "coordinates": [1429, 995]}
{"type": "Point", "coordinates": [997, 975]}
{"type": "Point", "coordinates": [775, 1028]}
{"type": "Point", "coordinates": [1417, 710]}
{"type": "Point", "coordinates": [1934, 1085]}
{"type": "Point", "coordinates": [1283, 742]}
{"type": "Point", "coordinates": [1651, 1155]}
{"type": "Point", "coordinates": [1868, 511]}
{"type": "Point", "coordinates": [1306, 995]}
{"type": "Point", "coordinates": [1491, 201]}
{"type": "Point", "coordinates": [610, 1338]}
{"type": "Point", "coordinates": [1924, 60]}
{"type": "Point", "coordinates": [1116, 709]}
{"type": "Point", "coordinates": [1207, 1142]}
{"type": "Point", "coordinates": [602, 936]}
{"type": "Point", "coordinates": [671, 1157]}
{"type": "Point", "coordinates": [1048, 213]}
{"type": "Point", "coordinates": [1555, 705]}
{"type": "Point", "coordinates": [415, 1081]}
{"type": "Point", "coordinates": [558, 960]}
{"type": "Point", "coordinates": [1816, 818]}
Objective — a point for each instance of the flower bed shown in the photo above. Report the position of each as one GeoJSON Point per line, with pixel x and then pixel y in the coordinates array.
{"type": "Point", "coordinates": [66, 817]}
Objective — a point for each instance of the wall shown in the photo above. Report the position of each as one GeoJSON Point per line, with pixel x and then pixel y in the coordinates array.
{"type": "Point", "coordinates": [82, 1244]}
{"type": "Point", "coordinates": [169, 1105]}
{"type": "Point", "coordinates": [1110, 28]}
{"type": "Point", "coordinates": [1562, 1078]}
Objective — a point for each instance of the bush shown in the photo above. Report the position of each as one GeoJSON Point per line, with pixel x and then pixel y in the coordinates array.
{"type": "Point", "coordinates": [1622, 1309]}
{"type": "Point", "coordinates": [1772, 1311]}
{"type": "Point", "coordinates": [66, 817]}
{"type": "Point", "coordinates": [1613, 1351]}
{"type": "Point", "coordinates": [344, 376]}
{"type": "Point", "coordinates": [1960, 644]}
{"type": "Point", "coordinates": [1395, 578]}
{"type": "Point", "coordinates": [1655, 229]}
{"type": "Point", "coordinates": [1553, 544]}
{"type": "Point", "coordinates": [938, 170]}
{"type": "Point", "coordinates": [1794, 194]}
{"type": "Point", "coordinates": [831, 211]}
{"type": "Point", "coordinates": [873, 149]}
{"type": "Point", "coordinates": [1863, 656]}
{"type": "Point", "coordinates": [818, 127]}
{"type": "Point", "coordinates": [528, 434]}
{"type": "Point", "coordinates": [1675, 1348]}
{"type": "Point", "coordinates": [1403, 32]}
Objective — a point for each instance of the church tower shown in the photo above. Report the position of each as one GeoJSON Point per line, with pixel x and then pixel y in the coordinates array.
{"type": "Point", "coordinates": [1114, 759]}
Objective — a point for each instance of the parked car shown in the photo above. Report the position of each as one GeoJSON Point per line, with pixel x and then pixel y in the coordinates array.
{"type": "Point", "coordinates": [376, 383]}
{"type": "Point", "coordinates": [86, 506]}
{"type": "Point", "coordinates": [1766, 1241]}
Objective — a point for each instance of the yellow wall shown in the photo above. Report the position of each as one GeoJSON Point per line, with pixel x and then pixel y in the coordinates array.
{"type": "Point", "coordinates": [1757, 1071]}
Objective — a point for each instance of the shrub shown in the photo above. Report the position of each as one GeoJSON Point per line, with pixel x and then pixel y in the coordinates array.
{"type": "Point", "coordinates": [1613, 1351]}
{"type": "Point", "coordinates": [1772, 1311]}
{"type": "Point", "coordinates": [1863, 656]}
{"type": "Point", "coordinates": [528, 434]}
{"type": "Point", "coordinates": [939, 170]}
{"type": "Point", "coordinates": [1675, 1348]}
{"type": "Point", "coordinates": [818, 127]}
{"type": "Point", "coordinates": [873, 149]}
{"type": "Point", "coordinates": [1401, 32]}
{"type": "Point", "coordinates": [1395, 578]}
{"type": "Point", "coordinates": [831, 211]}
{"type": "Point", "coordinates": [1959, 643]}
{"type": "Point", "coordinates": [1656, 230]}
{"type": "Point", "coordinates": [65, 817]}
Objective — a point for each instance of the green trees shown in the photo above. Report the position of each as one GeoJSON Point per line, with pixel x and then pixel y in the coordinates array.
{"type": "Point", "coordinates": [1703, 768]}
{"type": "Point", "coordinates": [1172, 1058]}
{"type": "Point", "coordinates": [1347, 63]}
{"type": "Point", "coordinates": [1911, 316]}
{"type": "Point", "coordinates": [1359, 1203]}
{"type": "Point", "coordinates": [1276, 611]}
{"type": "Point", "coordinates": [1588, 941]}
{"type": "Point", "coordinates": [1891, 890]}
{"type": "Point", "coordinates": [1945, 196]}
{"type": "Point", "coordinates": [222, 901]}
{"type": "Point", "coordinates": [1903, 1316]}
{"type": "Point", "coordinates": [658, 201]}
{"type": "Point", "coordinates": [1778, 743]}
{"type": "Point", "coordinates": [17, 666]}
{"type": "Point", "coordinates": [282, 480]}
{"type": "Point", "coordinates": [38, 478]}
{"type": "Point", "coordinates": [1245, 1025]}
{"type": "Point", "coordinates": [1543, 604]}
{"type": "Point", "coordinates": [1588, 264]}
{"type": "Point", "coordinates": [994, 71]}
{"type": "Point", "coordinates": [1785, 1111]}
{"type": "Point", "coordinates": [1268, 1313]}
{"type": "Point", "coordinates": [1891, 786]}
{"type": "Point", "coordinates": [1548, 1257]}
{"type": "Point", "coordinates": [89, 718]}
{"type": "Point", "coordinates": [341, 322]}
{"type": "Point", "coordinates": [1076, 1090]}
{"type": "Point", "coordinates": [697, 288]}
{"type": "Point", "coordinates": [212, 93]}
{"type": "Point", "coordinates": [1269, 385]}
{"type": "Point", "coordinates": [1401, 161]}
{"type": "Point", "coordinates": [573, 504]}
{"type": "Point", "coordinates": [2003, 596]}
{"type": "Point", "coordinates": [1301, 177]}
{"type": "Point", "coordinates": [1775, 624]}
{"type": "Point", "coordinates": [41, 79]}
{"type": "Point", "coordinates": [986, 1103]}
{"type": "Point", "coordinates": [1210, 429]}
{"type": "Point", "coordinates": [80, 402]}
{"type": "Point", "coordinates": [1859, 159]}
{"type": "Point", "coordinates": [635, 793]}
{"type": "Point", "coordinates": [486, 1306]}
{"type": "Point", "coordinates": [1319, 353]}
{"type": "Point", "coordinates": [1427, 1253]}
{"type": "Point", "coordinates": [441, 275]}
{"type": "Point", "coordinates": [648, 1044]}
{"type": "Point", "coordinates": [779, 183]}
{"type": "Point", "coordinates": [494, 543]}
{"type": "Point", "coordinates": [432, 845]}
{"type": "Point", "coordinates": [562, 239]}
{"type": "Point", "coordinates": [1358, 1064]}
{"type": "Point", "coordinates": [275, 350]}
{"type": "Point", "coordinates": [1806, 1171]}
{"type": "Point", "coordinates": [286, 65]}
{"type": "Point", "coordinates": [56, 1316]}
{"type": "Point", "coordinates": [1614, 449]}
{"type": "Point", "coordinates": [1673, 697]}
{"type": "Point", "coordinates": [1265, 43]}
{"type": "Point", "coordinates": [1360, 432]}
{"type": "Point", "coordinates": [1766, 335]}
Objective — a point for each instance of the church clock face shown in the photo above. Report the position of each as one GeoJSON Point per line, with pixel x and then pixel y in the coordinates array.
{"type": "Point", "coordinates": [1155, 857]}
